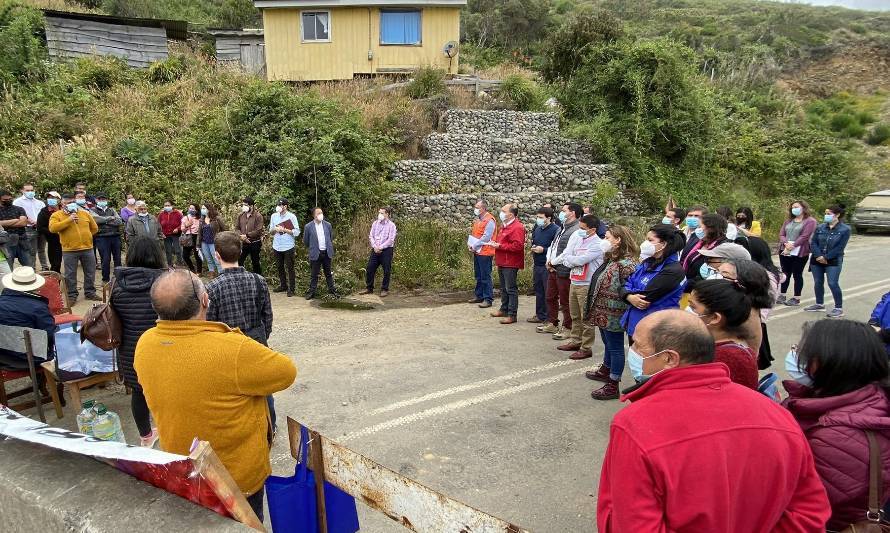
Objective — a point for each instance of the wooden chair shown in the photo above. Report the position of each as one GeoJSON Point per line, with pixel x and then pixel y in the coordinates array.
{"type": "Point", "coordinates": [32, 342]}
{"type": "Point", "coordinates": [56, 291]}
{"type": "Point", "coordinates": [50, 369]}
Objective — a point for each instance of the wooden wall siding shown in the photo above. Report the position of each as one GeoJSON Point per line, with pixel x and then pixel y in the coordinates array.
{"type": "Point", "coordinates": [139, 46]}
{"type": "Point", "coordinates": [288, 58]}
{"type": "Point", "coordinates": [228, 48]}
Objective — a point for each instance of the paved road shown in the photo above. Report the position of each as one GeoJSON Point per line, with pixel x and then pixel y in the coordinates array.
{"type": "Point", "coordinates": [491, 415]}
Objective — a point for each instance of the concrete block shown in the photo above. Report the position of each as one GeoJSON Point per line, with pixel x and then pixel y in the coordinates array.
{"type": "Point", "coordinates": [47, 490]}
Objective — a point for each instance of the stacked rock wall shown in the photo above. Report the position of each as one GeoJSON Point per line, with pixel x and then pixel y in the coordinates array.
{"type": "Point", "coordinates": [503, 157]}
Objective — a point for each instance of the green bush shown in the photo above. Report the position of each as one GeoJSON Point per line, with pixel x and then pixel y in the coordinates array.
{"type": "Point", "coordinates": [841, 121]}
{"type": "Point", "coordinates": [880, 134]}
{"type": "Point", "coordinates": [522, 93]}
{"type": "Point", "coordinates": [100, 73]}
{"type": "Point", "coordinates": [23, 56]}
{"type": "Point", "coordinates": [427, 82]}
{"type": "Point", "coordinates": [853, 131]}
{"type": "Point", "coordinates": [168, 70]}
{"type": "Point", "coordinates": [864, 117]}
{"type": "Point", "coordinates": [431, 254]}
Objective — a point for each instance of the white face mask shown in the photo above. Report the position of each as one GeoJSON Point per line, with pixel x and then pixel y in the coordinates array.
{"type": "Point", "coordinates": [245, 208]}
{"type": "Point", "coordinates": [131, 201]}
{"type": "Point", "coordinates": [476, 211]}
{"type": "Point", "coordinates": [647, 250]}
{"type": "Point", "coordinates": [606, 246]}
{"type": "Point", "coordinates": [319, 217]}
{"type": "Point", "coordinates": [279, 208]}
{"type": "Point", "coordinates": [381, 217]}
{"type": "Point", "coordinates": [798, 375]}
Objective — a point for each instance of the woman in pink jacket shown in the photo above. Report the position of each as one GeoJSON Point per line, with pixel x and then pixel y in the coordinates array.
{"type": "Point", "coordinates": [189, 227]}
{"type": "Point", "coordinates": [838, 393]}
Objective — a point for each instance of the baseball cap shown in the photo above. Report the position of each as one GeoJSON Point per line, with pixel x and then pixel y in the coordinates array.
{"type": "Point", "coordinates": [727, 250]}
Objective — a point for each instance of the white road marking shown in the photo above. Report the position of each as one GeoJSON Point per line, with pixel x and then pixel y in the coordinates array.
{"type": "Point", "coordinates": [470, 386]}
{"type": "Point", "coordinates": [453, 406]}
{"type": "Point", "coordinates": [779, 312]}
{"type": "Point", "coordinates": [816, 314]}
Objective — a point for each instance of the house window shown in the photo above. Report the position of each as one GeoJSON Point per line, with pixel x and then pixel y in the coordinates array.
{"type": "Point", "coordinates": [400, 26]}
{"type": "Point", "coordinates": [316, 26]}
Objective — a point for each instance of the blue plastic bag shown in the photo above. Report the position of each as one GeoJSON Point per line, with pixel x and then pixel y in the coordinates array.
{"type": "Point", "coordinates": [292, 501]}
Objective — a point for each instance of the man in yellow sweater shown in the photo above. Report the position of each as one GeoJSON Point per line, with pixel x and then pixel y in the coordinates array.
{"type": "Point", "coordinates": [205, 380]}
{"type": "Point", "coordinates": [76, 228]}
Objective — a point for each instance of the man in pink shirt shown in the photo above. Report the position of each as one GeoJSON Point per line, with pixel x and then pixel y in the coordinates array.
{"type": "Point", "coordinates": [382, 239]}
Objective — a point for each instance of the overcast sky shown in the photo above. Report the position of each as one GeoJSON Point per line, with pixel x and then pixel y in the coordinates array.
{"type": "Point", "coordinates": [875, 5]}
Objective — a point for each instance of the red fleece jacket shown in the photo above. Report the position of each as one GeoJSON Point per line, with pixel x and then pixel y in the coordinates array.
{"type": "Point", "coordinates": [511, 252]}
{"type": "Point", "coordinates": [696, 452]}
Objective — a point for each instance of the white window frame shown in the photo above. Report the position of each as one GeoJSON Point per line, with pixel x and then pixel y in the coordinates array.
{"type": "Point", "coordinates": [330, 26]}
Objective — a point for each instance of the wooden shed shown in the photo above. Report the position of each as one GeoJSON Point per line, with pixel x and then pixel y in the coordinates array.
{"type": "Point", "coordinates": [137, 41]}
{"type": "Point", "coordinates": [241, 47]}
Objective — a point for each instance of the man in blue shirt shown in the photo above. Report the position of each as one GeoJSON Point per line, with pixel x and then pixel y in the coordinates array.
{"type": "Point", "coordinates": [284, 227]}
{"type": "Point", "coordinates": [22, 306]}
{"type": "Point", "coordinates": [542, 237]}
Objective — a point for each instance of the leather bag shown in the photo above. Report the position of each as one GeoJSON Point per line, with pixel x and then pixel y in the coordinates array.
{"type": "Point", "coordinates": [874, 517]}
{"type": "Point", "coordinates": [101, 325]}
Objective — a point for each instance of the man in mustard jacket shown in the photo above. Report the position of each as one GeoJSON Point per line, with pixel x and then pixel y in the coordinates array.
{"type": "Point", "coordinates": [203, 379]}
{"type": "Point", "coordinates": [76, 227]}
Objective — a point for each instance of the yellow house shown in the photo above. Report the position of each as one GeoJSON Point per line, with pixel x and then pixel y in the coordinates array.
{"type": "Point", "coordinates": [336, 39]}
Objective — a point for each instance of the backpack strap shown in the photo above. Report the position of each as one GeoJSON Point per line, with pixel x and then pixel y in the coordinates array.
{"type": "Point", "coordinates": [875, 479]}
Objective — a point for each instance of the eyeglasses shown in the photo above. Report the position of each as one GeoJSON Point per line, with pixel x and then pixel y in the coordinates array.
{"type": "Point", "coordinates": [191, 279]}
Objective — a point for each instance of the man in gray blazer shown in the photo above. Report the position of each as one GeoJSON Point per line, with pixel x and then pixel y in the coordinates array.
{"type": "Point", "coordinates": [318, 236]}
{"type": "Point", "coordinates": [144, 223]}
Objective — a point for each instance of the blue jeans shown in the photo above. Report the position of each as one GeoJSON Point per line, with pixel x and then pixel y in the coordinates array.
{"type": "Point", "coordinates": [109, 247]}
{"type": "Point", "coordinates": [209, 259]}
{"type": "Point", "coordinates": [614, 355]}
{"type": "Point", "coordinates": [482, 269]}
{"type": "Point", "coordinates": [820, 272]}
{"type": "Point", "coordinates": [539, 280]}
{"type": "Point", "coordinates": [22, 252]}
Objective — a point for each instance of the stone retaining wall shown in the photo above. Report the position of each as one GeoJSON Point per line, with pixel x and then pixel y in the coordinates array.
{"type": "Point", "coordinates": [500, 123]}
{"type": "Point", "coordinates": [474, 177]}
{"type": "Point", "coordinates": [472, 147]}
{"type": "Point", "coordinates": [457, 208]}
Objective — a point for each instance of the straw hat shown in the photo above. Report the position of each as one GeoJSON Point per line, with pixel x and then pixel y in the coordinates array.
{"type": "Point", "coordinates": [23, 279]}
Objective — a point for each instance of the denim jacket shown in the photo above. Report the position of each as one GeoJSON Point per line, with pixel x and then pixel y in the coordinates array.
{"type": "Point", "coordinates": [830, 243]}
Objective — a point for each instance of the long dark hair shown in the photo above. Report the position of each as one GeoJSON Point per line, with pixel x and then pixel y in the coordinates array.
{"type": "Point", "coordinates": [749, 216]}
{"type": "Point", "coordinates": [211, 210]}
{"type": "Point", "coordinates": [845, 356]}
{"type": "Point", "coordinates": [839, 210]}
{"type": "Point", "coordinates": [729, 298]}
{"type": "Point", "coordinates": [755, 281]}
{"type": "Point", "coordinates": [717, 224]}
{"type": "Point", "coordinates": [762, 254]}
{"type": "Point", "coordinates": [804, 209]}
{"type": "Point", "coordinates": [145, 252]}
{"type": "Point", "coordinates": [673, 239]}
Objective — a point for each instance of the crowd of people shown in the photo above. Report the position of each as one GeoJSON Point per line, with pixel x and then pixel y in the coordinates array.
{"type": "Point", "coordinates": [690, 298]}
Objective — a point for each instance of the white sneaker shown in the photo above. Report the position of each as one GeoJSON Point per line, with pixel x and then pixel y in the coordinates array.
{"type": "Point", "coordinates": [150, 440]}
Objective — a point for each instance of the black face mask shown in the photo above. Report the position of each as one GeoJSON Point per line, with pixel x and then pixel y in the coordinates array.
{"type": "Point", "coordinates": [741, 220]}
{"type": "Point", "coordinates": [6, 203]}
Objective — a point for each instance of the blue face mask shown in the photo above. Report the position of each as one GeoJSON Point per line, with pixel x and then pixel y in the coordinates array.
{"type": "Point", "coordinates": [80, 201]}
{"type": "Point", "coordinates": [692, 222]}
{"type": "Point", "coordinates": [52, 202]}
{"type": "Point", "coordinates": [635, 363]}
{"type": "Point", "coordinates": [168, 208]}
{"type": "Point", "coordinates": [582, 233]}
{"type": "Point", "coordinates": [103, 205]}
{"type": "Point", "coordinates": [706, 271]}
{"type": "Point", "coordinates": [29, 195]}
{"type": "Point", "coordinates": [540, 222]}
{"type": "Point", "coordinates": [562, 216]}
{"type": "Point", "coordinates": [829, 219]}
{"type": "Point", "coordinates": [700, 233]}
{"type": "Point", "coordinates": [667, 220]}
{"type": "Point", "coordinates": [796, 373]}
{"type": "Point", "coordinates": [204, 211]}
{"type": "Point", "coordinates": [71, 207]}
{"type": "Point", "coordinates": [796, 211]}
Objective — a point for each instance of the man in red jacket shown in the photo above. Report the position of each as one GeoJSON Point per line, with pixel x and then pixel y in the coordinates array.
{"type": "Point", "coordinates": [170, 220]}
{"type": "Point", "coordinates": [509, 256]}
{"type": "Point", "coordinates": [697, 452]}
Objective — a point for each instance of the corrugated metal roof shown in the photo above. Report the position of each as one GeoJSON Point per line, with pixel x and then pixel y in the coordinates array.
{"type": "Point", "coordinates": [176, 29]}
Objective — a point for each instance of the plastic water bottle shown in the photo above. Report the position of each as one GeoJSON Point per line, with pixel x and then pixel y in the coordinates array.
{"type": "Point", "coordinates": [107, 425]}
{"type": "Point", "coordinates": [86, 417]}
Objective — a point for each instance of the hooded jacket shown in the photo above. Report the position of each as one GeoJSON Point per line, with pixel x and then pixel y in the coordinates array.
{"type": "Point", "coordinates": [834, 427]}
{"type": "Point", "coordinates": [131, 300]}
{"type": "Point", "coordinates": [695, 452]}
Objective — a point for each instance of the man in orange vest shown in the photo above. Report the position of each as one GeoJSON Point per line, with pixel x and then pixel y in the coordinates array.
{"type": "Point", "coordinates": [481, 233]}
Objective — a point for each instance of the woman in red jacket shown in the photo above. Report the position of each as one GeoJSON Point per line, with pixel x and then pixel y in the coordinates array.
{"type": "Point", "coordinates": [725, 307]}
{"type": "Point", "coordinates": [844, 366]}
{"type": "Point", "coordinates": [509, 256]}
